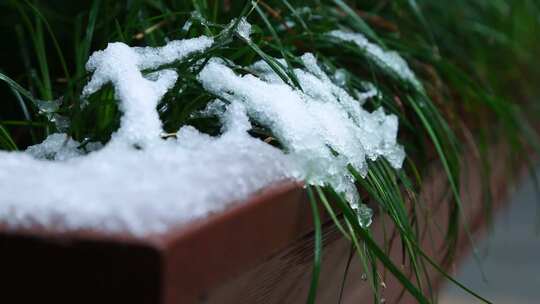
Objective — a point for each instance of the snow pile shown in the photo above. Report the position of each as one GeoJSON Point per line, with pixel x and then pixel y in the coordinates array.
{"type": "Point", "coordinates": [142, 184]}
{"type": "Point", "coordinates": [139, 96]}
{"type": "Point", "coordinates": [322, 127]}
{"type": "Point", "coordinates": [387, 60]}
{"type": "Point", "coordinates": [118, 189]}
{"type": "Point", "coordinates": [140, 191]}
{"type": "Point", "coordinates": [56, 147]}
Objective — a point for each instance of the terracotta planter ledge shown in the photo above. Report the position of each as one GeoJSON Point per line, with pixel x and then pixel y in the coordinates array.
{"type": "Point", "coordinates": [260, 251]}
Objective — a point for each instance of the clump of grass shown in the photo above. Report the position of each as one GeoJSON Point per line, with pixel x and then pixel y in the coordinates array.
{"type": "Point", "coordinates": [470, 71]}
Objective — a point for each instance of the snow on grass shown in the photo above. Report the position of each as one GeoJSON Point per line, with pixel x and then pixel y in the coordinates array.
{"type": "Point", "coordinates": [119, 189]}
{"type": "Point", "coordinates": [121, 65]}
{"type": "Point", "coordinates": [147, 190]}
{"type": "Point", "coordinates": [56, 147]}
{"type": "Point", "coordinates": [322, 127]}
{"type": "Point", "coordinates": [387, 60]}
{"type": "Point", "coordinates": [141, 184]}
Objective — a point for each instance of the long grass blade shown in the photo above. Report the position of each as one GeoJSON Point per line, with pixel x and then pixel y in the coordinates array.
{"type": "Point", "coordinates": [317, 252]}
{"type": "Point", "coordinates": [6, 142]}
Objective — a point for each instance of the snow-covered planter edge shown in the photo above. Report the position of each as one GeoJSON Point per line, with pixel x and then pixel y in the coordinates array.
{"type": "Point", "coordinates": [233, 255]}
{"type": "Point", "coordinates": [323, 129]}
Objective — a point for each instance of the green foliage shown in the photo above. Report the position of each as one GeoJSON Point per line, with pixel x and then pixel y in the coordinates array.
{"type": "Point", "coordinates": [475, 59]}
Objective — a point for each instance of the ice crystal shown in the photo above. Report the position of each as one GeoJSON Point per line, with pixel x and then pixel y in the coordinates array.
{"type": "Point", "coordinates": [187, 26]}
{"type": "Point", "coordinates": [365, 215]}
{"type": "Point", "coordinates": [48, 106]}
{"type": "Point", "coordinates": [244, 28]}
{"type": "Point", "coordinates": [56, 147]}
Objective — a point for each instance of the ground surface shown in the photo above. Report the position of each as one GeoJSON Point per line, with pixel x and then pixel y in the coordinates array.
{"type": "Point", "coordinates": [510, 255]}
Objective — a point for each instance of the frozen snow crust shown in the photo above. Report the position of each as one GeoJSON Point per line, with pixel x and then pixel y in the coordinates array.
{"type": "Point", "coordinates": [142, 184]}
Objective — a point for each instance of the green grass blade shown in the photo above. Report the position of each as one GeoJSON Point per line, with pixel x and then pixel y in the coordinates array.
{"type": "Point", "coordinates": [317, 253]}
{"type": "Point", "coordinates": [358, 23]}
{"type": "Point", "coordinates": [345, 274]}
{"type": "Point", "coordinates": [15, 86]}
{"type": "Point", "coordinates": [84, 48]}
{"type": "Point", "coordinates": [289, 69]}
{"type": "Point", "coordinates": [53, 38]}
{"type": "Point", "coordinates": [378, 252]}
{"type": "Point", "coordinates": [413, 4]}
{"type": "Point", "coordinates": [331, 212]}
{"type": "Point", "coordinates": [452, 178]}
{"type": "Point", "coordinates": [371, 276]}
{"type": "Point", "coordinates": [296, 16]}
{"type": "Point", "coordinates": [6, 142]}
{"type": "Point", "coordinates": [450, 278]}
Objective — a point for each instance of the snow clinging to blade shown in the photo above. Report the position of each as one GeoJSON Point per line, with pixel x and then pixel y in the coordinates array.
{"type": "Point", "coordinates": [388, 60]}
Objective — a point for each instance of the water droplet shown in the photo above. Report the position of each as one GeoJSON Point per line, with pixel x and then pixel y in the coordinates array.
{"type": "Point", "coordinates": [186, 26]}
{"type": "Point", "coordinates": [365, 215]}
{"type": "Point", "coordinates": [340, 77]}
{"type": "Point", "coordinates": [61, 122]}
{"type": "Point", "coordinates": [48, 106]}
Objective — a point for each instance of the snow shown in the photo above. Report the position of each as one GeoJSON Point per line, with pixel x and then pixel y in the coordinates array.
{"type": "Point", "coordinates": [138, 191]}
{"type": "Point", "coordinates": [56, 147]}
{"type": "Point", "coordinates": [323, 128]}
{"type": "Point", "coordinates": [371, 92]}
{"type": "Point", "coordinates": [160, 185]}
{"type": "Point", "coordinates": [142, 184]}
{"type": "Point", "coordinates": [121, 65]}
{"type": "Point", "coordinates": [388, 60]}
